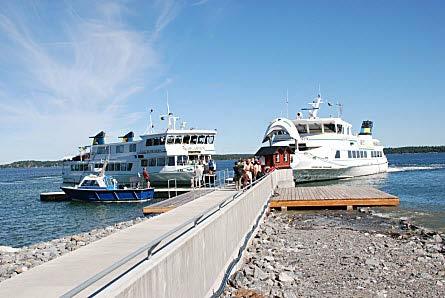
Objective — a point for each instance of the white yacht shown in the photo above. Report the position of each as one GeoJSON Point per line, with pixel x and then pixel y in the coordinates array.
{"type": "Point", "coordinates": [169, 156]}
{"type": "Point", "coordinates": [326, 148]}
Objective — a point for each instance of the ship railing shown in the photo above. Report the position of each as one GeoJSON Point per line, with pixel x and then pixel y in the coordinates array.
{"type": "Point", "coordinates": [175, 183]}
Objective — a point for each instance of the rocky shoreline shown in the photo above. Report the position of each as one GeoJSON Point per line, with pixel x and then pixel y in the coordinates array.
{"type": "Point", "coordinates": [14, 261]}
{"type": "Point", "coordinates": [335, 253]}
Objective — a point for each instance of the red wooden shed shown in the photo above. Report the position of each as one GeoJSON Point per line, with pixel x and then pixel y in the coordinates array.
{"type": "Point", "coordinates": [275, 156]}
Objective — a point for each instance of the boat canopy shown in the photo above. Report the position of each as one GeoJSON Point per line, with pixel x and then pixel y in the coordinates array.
{"type": "Point", "coordinates": [280, 125]}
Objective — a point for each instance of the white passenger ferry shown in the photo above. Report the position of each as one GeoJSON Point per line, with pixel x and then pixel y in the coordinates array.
{"type": "Point", "coordinates": [169, 156]}
{"type": "Point", "coordinates": [326, 148]}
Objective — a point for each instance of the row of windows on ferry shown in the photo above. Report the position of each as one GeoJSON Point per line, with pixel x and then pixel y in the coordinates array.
{"type": "Point", "coordinates": [119, 167]}
{"type": "Point", "coordinates": [179, 160]}
{"type": "Point", "coordinates": [116, 149]}
{"type": "Point", "coordinates": [187, 139]}
{"type": "Point", "coordinates": [317, 128]}
{"type": "Point", "coordinates": [360, 154]}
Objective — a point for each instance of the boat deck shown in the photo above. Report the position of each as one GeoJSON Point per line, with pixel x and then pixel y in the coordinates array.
{"type": "Point", "coordinates": [331, 196]}
{"type": "Point", "coordinates": [169, 204]}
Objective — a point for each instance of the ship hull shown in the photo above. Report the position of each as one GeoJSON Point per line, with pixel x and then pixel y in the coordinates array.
{"type": "Point", "coordinates": [302, 175]}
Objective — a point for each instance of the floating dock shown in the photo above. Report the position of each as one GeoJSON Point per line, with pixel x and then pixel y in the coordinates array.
{"type": "Point", "coordinates": [169, 204]}
{"type": "Point", "coordinates": [331, 196]}
{"type": "Point", "coordinates": [56, 196]}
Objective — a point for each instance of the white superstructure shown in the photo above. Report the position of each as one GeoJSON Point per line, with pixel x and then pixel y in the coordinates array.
{"type": "Point", "coordinates": [326, 148]}
{"type": "Point", "coordinates": [168, 155]}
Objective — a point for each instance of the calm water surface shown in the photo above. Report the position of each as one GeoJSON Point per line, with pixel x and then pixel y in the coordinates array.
{"type": "Point", "coordinates": [418, 179]}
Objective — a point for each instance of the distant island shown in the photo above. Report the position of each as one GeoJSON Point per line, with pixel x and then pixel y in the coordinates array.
{"type": "Point", "coordinates": [33, 164]}
{"type": "Point", "coordinates": [58, 163]}
{"type": "Point", "coordinates": [414, 149]}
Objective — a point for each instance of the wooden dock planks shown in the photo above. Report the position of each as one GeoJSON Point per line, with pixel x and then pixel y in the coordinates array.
{"type": "Point", "coordinates": [332, 196]}
{"type": "Point", "coordinates": [169, 204]}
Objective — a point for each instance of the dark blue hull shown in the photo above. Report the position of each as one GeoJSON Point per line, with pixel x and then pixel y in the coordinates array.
{"type": "Point", "coordinates": [104, 195]}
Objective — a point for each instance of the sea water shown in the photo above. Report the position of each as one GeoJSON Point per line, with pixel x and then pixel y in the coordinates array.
{"type": "Point", "coordinates": [418, 179]}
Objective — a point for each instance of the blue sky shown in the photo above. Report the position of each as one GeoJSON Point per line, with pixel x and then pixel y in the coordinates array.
{"type": "Point", "coordinates": [70, 69]}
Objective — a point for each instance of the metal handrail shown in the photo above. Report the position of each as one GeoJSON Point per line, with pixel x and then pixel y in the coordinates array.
{"type": "Point", "coordinates": [176, 187]}
{"type": "Point", "coordinates": [150, 247]}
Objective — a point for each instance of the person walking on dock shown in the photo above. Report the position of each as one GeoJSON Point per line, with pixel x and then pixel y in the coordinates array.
{"type": "Point", "coordinates": [146, 177]}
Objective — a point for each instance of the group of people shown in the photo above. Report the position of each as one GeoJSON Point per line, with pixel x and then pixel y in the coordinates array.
{"type": "Point", "coordinates": [246, 172]}
{"type": "Point", "coordinates": [203, 168]}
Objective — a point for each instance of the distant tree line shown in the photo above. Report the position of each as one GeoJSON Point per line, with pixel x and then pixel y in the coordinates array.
{"type": "Point", "coordinates": [33, 164]}
{"type": "Point", "coordinates": [58, 163]}
{"type": "Point", "coordinates": [231, 156]}
{"type": "Point", "coordinates": [414, 149]}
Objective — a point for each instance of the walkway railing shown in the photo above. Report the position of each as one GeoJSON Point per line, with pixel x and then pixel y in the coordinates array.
{"type": "Point", "coordinates": [155, 246]}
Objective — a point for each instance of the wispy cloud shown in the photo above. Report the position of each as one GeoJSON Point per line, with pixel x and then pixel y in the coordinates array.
{"type": "Point", "coordinates": [168, 11]}
{"type": "Point", "coordinates": [81, 79]}
{"type": "Point", "coordinates": [200, 2]}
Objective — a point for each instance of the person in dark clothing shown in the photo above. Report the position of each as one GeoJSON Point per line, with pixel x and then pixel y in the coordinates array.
{"type": "Point", "coordinates": [236, 176]}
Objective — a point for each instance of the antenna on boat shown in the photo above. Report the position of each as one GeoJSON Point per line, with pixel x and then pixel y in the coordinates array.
{"type": "Point", "coordinates": [287, 103]}
{"type": "Point", "coordinates": [151, 127]}
{"type": "Point", "coordinates": [171, 120]}
{"type": "Point", "coordinates": [339, 108]}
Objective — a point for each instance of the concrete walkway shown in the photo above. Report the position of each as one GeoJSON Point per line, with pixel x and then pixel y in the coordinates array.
{"type": "Point", "coordinates": [55, 278]}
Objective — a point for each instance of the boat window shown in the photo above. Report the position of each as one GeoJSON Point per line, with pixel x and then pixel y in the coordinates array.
{"type": "Point", "coordinates": [110, 167]}
{"type": "Point", "coordinates": [132, 148]}
{"type": "Point", "coordinates": [277, 158]}
{"type": "Point", "coordinates": [156, 141]}
{"type": "Point", "coordinates": [120, 149]}
{"type": "Point", "coordinates": [123, 166]}
{"type": "Point", "coordinates": [149, 142]}
{"type": "Point", "coordinates": [358, 154]}
{"type": "Point", "coordinates": [337, 154]}
{"type": "Point", "coordinates": [117, 167]}
{"type": "Point", "coordinates": [186, 139]}
{"type": "Point", "coordinates": [340, 129]}
{"type": "Point", "coordinates": [210, 139]}
{"type": "Point", "coordinates": [366, 154]}
{"type": "Point", "coordinates": [301, 128]}
{"type": "Point", "coordinates": [171, 161]}
{"type": "Point", "coordinates": [90, 183]}
{"type": "Point", "coordinates": [329, 128]}
{"type": "Point", "coordinates": [201, 140]}
{"type": "Point", "coordinates": [315, 128]}
{"type": "Point", "coordinates": [144, 162]}
{"type": "Point", "coordinates": [354, 154]}
{"type": "Point", "coordinates": [182, 160]}
{"type": "Point", "coordinates": [152, 162]}
{"type": "Point", "coordinates": [102, 150]}
{"type": "Point", "coordinates": [160, 161]}
{"type": "Point", "coordinates": [286, 157]}
{"type": "Point", "coordinates": [162, 141]}
{"type": "Point", "coordinates": [129, 166]}
{"type": "Point", "coordinates": [170, 139]}
{"type": "Point", "coordinates": [349, 154]}
{"type": "Point", "coordinates": [193, 139]}
{"type": "Point", "coordinates": [178, 139]}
